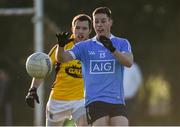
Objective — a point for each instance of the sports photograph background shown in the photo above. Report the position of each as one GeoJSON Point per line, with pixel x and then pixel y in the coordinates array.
{"type": "Point", "coordinates": [152, 27]}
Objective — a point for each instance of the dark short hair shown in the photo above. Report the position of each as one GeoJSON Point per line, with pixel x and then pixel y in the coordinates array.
{"type": "Point", "coordinates": [82, 17]}
{"type": "Point", "coordinates": [104, 10]}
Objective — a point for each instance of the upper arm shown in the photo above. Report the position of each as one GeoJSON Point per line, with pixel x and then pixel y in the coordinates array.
{"type": "Point", "coordinates": [68, 56]}
{"type": "Point", "coordinates": [62, 55]}
{"type": "Point", "coordinates": [77, 51]}
{"type": "Point", "coordinates": [126, 47]}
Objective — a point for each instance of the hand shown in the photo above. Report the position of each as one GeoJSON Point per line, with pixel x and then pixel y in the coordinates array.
{"type": "Point", "coordinates": [63, 38]}
{"type": "Point", "coordinates": [31, 97]}
{"type": "Point", "coordinates": [107, 43]}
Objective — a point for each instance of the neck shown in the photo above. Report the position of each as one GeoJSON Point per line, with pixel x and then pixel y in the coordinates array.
{"type": "Point", "coordinates": [108, 36]}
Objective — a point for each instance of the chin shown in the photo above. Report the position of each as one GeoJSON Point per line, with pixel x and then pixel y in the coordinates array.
{"type": "Point", "coordinates": [81, 40]}
{"type": "Point", "coordinates": [101, 34]}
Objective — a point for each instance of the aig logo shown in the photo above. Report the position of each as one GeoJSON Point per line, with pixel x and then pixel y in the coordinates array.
{"type": "Point", "coordinates": [102, 66]}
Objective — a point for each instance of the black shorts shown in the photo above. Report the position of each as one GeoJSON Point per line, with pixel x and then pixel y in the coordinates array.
{"type": "Point", "coordinates": [98, 109]}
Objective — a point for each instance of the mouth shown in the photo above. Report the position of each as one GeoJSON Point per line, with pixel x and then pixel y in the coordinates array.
{"type": "Point", "coordinates": [80, 37]}
{"type": "Point", "coordinates": [100, 30]}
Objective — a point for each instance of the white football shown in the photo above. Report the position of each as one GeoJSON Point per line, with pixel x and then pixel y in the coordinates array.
{"type": "Point", "coordinates": [38, 65]}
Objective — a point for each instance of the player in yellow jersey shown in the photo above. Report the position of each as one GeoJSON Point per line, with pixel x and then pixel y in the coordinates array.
{"type": "Point", "coordinates": [67, 95]}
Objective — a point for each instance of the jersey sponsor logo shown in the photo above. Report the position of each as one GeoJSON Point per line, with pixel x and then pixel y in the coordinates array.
{"type": "Point", "coordinates": [74, 71]}
{"type": "Point", "coordinates": [102, 66]}
{"type": "Point", "coordinates": [91, 52]}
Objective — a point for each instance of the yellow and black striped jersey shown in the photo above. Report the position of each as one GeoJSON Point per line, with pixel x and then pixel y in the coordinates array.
{"type": "Point", "coordinates": [68, 84]}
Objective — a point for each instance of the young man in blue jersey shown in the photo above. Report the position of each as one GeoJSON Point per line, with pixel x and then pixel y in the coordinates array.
{"type": "Point", "coordinates": [103, 59]}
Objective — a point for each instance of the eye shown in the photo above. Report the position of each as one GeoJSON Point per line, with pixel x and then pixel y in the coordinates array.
{"type": "Point", "coordinates": [84, 28]}
{"type": "Point", "coordinates": [96, 21]}
{"type": "Point", "coordinates": [104, 21]}
{"type": "Point", "coordinates": [77, 27]}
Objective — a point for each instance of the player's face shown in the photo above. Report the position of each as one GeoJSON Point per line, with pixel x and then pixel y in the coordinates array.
{"type": "Point", "coordinates": [102, 24]}
{"type": "Point", "coordinates": [81, 30]}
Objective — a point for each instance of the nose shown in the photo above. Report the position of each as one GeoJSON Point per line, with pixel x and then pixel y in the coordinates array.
{"type": "Point", "coordinates": [99, 24]}
{"type": "Point", "coordinates": [82, 30]}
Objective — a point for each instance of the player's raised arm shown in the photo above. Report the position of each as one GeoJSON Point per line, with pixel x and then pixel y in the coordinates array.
{"type": "Point", "coordinates": [124, 58]}
{"type": "Point", "coordinates": [61, 54]}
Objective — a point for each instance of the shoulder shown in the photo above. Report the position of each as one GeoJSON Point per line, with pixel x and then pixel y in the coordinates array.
{"type": "Point", "coordinates": [119, 39]}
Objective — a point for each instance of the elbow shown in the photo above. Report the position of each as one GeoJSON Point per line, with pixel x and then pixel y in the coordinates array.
{"type": "Point", "coordinates": [129, 64]}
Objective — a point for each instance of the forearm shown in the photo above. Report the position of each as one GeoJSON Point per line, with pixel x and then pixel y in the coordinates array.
{"type": "Point", "coordinates": [124, 58]}
{"type": "Point", "coordinates": [32, 95]}
{"type": "Point", "coordinates": [59, 52]}
{"type": "Point", "coordinates": [36, 82]}
{"type": "Point", "coordinates": [62, 55]}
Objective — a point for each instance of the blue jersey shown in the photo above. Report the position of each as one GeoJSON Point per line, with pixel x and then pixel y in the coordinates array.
{"type": "Point", "coordinates": [102, 72]}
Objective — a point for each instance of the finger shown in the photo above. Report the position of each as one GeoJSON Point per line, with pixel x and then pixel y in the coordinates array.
{"type": "Point", "coordinates": [67, 33]}
{"type": "Point", "coordinates": [57, 35]}
{"type": "Point", "coordinates": [37, 99]}
{"type": "Point", "coordinates": [30, 102]}
{"type": "Point", "coordinates": [63, 33]}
